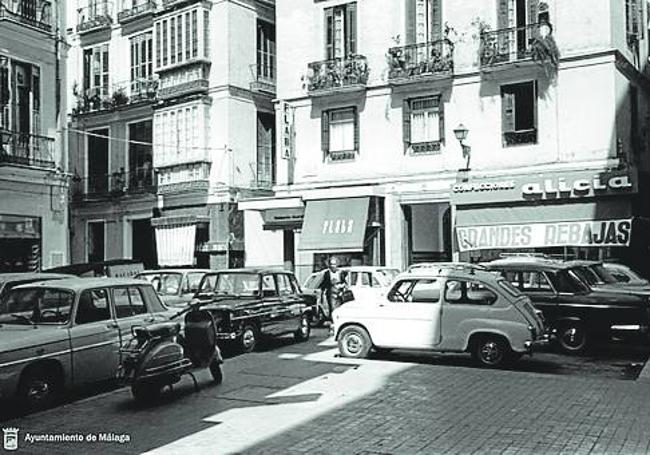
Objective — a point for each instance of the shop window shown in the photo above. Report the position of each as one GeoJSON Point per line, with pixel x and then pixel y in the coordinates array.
{"type": "Point", "coordinates": [341, 31]}
{"type": "Point", "coordinates": [423, 123]}
{"type": "Point", "coordinates": [468, 293]}
{"type": "Point", "coordinates": [340, 134]}
{"type": "Point", "coordinates": [519, 113]}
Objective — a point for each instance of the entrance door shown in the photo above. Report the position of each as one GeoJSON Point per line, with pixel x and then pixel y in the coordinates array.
{"type": "Point", "coordinates": [409, 317]}
{"type": "Point", "coordinates": [96, 241]}
{"type": "Point", "coordinates": [143, 244]}
{"type": "Point", "coordinates": [98, 161]}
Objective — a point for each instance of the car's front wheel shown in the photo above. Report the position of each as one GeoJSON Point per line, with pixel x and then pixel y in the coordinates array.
{"type": "Point", "coordinates": [355, 342]}
{"type": "Point", "coordinates": [490, 351]}
{"type": "Point", "coordinates": [572, 337]}
{"type": "Point", "coordinates": [38, 390]}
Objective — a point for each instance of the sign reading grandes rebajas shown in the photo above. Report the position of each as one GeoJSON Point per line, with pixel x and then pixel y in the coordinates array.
{"type": "Point", "coordinates": [538, 235]}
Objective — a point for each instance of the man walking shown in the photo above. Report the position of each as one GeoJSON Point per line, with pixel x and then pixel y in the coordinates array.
{"type": "Point", "coordinates": [331, 286]}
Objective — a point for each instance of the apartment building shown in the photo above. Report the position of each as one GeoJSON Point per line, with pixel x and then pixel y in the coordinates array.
{"type": "Point", "coordinates": [174, 123]}
{"type": "Point", "coordinates": [426, 130]}
{"type": "Point", "coordinates": [33, 182]}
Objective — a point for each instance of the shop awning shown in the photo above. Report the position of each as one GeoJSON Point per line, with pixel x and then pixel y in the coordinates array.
{"type": "Point", "coordinates": [288, 218]}
{"type": "Point", "coordinates": [335, 225]}
{"type": "Point", "coordinates": [595, 224]}
{"type": "Point", "coordinates": [175, 244]}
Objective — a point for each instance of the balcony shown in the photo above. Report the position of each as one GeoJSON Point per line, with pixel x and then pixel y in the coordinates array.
{"type": "Point", "coordinates": [138, 9]}
{"type": "Point", "coordinates": [26, 149]}
{"type": "Point", "coordinates": [115, 185]}
{"type": "Point", "coordinates": [509, 45]}
{"type": "Point", "coordinates": [337, 75]}
{"type": "Point", "coordinates": [420, 62]}
{"type": "Point", "coordinates": [35, 13]}
{"type": "Point", "coordinates": [184, 177]}
{"type": "Point", "coordinates": [185, 80]}
{"type": "Point", "coordinates": [172, 4]}
{"type": "Point", "coordinates": [120, 94]}
{"type": "Point", "coordinates": [97, 16]}
{"type": "Point", "coordinates": [521, 137]}
{"type": "Point", "coordinates": [263, 79]}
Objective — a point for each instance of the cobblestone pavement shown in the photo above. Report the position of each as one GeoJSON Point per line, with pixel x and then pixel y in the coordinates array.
{"type": "Point", "coordinates": [301, 398]}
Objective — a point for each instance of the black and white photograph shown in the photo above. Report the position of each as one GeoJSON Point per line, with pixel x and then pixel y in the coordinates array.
{"type": "Point", "coordinates": [325, 227]}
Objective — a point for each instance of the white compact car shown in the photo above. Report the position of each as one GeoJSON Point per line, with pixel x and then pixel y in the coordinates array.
{"type": "Point", "coordinates": [452, 309]}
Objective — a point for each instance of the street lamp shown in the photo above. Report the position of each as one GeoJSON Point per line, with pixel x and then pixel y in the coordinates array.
{"type": "Point", "coordinates": [461, 132]}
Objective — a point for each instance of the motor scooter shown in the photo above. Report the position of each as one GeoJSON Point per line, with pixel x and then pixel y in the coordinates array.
{"type": "Point", "coordinates": [158, 355]}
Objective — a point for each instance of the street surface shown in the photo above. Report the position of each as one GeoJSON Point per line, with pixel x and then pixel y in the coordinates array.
{"type": "Point", "coordinates": [302, 398]}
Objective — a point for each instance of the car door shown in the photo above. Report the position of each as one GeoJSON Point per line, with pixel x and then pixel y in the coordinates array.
{"type": "Point", "coordinates": [94, 337]}
{"type": "Point", "coordinates": [409, 316]}
{"type": "Point", "coordinates": [292, 302]}
{"type": "Point", "coordinates": [130, 310]}
{"type": "Point", "coordinates": [272, 317]}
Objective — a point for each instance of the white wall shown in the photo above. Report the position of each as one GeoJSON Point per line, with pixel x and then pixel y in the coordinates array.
{"type": "Point", "coordinates": [263, 248]}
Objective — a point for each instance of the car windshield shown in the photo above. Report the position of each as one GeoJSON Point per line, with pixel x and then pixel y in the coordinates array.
{"type": "Point", "coordinates": [165, 283]}
{"type": "Point", "coordinates": [227, 283]}
{"type": "Point", "coordinates": [194, 280]}
{"type": "Point", "coordinates": [36, 306]}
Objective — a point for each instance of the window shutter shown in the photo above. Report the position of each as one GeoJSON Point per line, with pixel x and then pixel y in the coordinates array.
{"type": "Point", "coordinates": [503, 17]}
{"type": "Point", "coordinates": [88, 55]}
{"type": "Point", "coordinates": [329, 33]}
{"type": "Point", "coordinates": [441, 119]}
{"type": "Point", "coordinates": [633, 11]}
{"type": "Point", "coordinates": [406, 124]}
{"type": "Point", "coordinates": [4, 82]}
{"type": "Point", "coordinates": [355, 113]}
{"type": "Point", "coordinates": [410, 21]}
{"type": "Point", "coordinates": [507, 111]}
{"type": "Point", "coordinates": [436, 19]}
{"type": "Point", "coordinates": [533, 17]}
{"type": "Point", "coordinates": [351, 29]}
{"type": "Point", "coordinates": [325, 132]}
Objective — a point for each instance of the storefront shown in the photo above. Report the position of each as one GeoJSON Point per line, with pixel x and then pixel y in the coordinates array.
{"type": "Point", "coordinates": [566, 214]}
{"type": "Point", "coordinates": [20, 244]}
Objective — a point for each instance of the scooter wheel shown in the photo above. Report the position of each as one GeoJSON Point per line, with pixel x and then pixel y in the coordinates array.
{"type": "Point", "coordinates": [145, 393]}
{"type": "Point", "coordinates": [216, 372]}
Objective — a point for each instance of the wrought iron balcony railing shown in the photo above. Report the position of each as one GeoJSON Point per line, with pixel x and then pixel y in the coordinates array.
{"type": "Point", "coordinates": [95, 17]}
{"type": "Point", "coordinates": [520, 137]}
{"type": "Point", "coordinates": [116, 184]}
{"type": "Point", "coordinates": [37, 13]}
{"type": "Point", "coordinates": [26, 149]}
{"type": "Point", "coordinates": [337, 73]}
{"type": "Point", "coordinates": [138, 9]}
{"type": "Point", "coordinates": [421, 61]}
{"type": "Point", "coordinates": [263, 78]}
{"type": "Point", "coordinates": [119, 94]}
{"type": "Point", "coordinates": [507, 45]}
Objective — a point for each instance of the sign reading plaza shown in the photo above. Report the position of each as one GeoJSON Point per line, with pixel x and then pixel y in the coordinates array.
{"type": "Point", "coordinates": [537, 235]}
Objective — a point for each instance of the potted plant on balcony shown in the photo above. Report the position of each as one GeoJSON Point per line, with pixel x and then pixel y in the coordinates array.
{"type": "Point", "coordinates": [544, 50]}
{"type": "Point", "coordinates": [119, 97]}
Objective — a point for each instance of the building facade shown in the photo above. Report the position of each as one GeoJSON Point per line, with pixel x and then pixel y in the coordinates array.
{"type": "Point", "coordinates": [549, 99]}
{"type": "Point", "coordinates": [33, 180]}
{"type": "Point", "coordinates": [173, 124]}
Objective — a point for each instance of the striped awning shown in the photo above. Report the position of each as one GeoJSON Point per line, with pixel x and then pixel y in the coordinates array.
{"type": "Point", "coordinates": [176, 244]}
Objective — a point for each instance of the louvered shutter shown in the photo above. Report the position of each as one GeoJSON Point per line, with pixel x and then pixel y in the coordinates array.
{"type": "Point", "coordinates": [355, 114]}
{"type": "Point", "coordinates": [4, 82]}
{"type": "Point", "coordinates": [507, 111]}
{"type": "Point", "coordinates": [406, 125]}
{"type": "Point", "coordinates": [533, 17]}
{"type": "Point", "coordinates": [436, 19]}
{"type": "Point", "coordinates": [441, 119]}
{"type": "Point", "coordinates": [329, 33]}
{"type": "Point", "coordinates": [351, 29]}
{"type": "Point", "coordinates": [325, 132]}
{"type": "Point", "coordinates": [410, 21]}
{"type": "Point", "coordinates": [503, 21]}
{"type": "Point", "coordinates": [633, 12]}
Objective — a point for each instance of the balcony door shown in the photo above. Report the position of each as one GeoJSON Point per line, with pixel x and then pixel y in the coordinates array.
{"type": "Point", "coordinates": [140, 155]}
{"type": "Point", "coordinates": [516, 15]}
{"type": "Point", "coordinates": [97, 170]}
{"type": "Point", "coordinates": [341, 31]}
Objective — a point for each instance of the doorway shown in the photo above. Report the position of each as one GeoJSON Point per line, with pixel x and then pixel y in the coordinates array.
{"type": "Point", "coordinates": [98, 161]}
{"type": "Point", "coordinates": [143, 243]}
{"type": "Point", "coordinates": [428, 232]}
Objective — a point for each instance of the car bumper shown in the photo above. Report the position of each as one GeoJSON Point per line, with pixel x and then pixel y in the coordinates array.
{"type": "Point", "coordinates": [228, 336]}
{"type": "Point", "coordinates": [630, 328]}
{"type": "Point", "coordinates": [541, 342]}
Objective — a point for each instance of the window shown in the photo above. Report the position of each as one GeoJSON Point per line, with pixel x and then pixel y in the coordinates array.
{"type": "Point", "coordinates": [365, 279]}
{"type": "Point", "coordinates": [128, 302]}
{"type": "Point", "coordinates": [92, 306]}
{"type": "Point", "coordinates": [416, 291]}
{"type": "Point", "coordinates": [423, 21]}
{"type": "Point", "coordinates": [164, 43]}
{"type": "Point", "coordinates": [96, 70]}
{"type": "Point", "coordinates": [141, 62]}
{"type": "Point", "coordinates": [20, 99]}
{"type": "Point", "coordinates": [268, 286]}
{"type": "Point", "coordinates": [423, 125]}
{"type": "Point", "coordinates": [519, 113]}
{"type": "Point", "coordinates": [195, 35]}
{"type": "Point", "coordinates": [284, 285]}
{"type": "Point", "coordinates": [36, 304]}
{"type": "Point", "coordinates": [158, 46]}
{"type": "Point", "coordinates": [206, 34]}
{"type": "Point", "coordinates": [265, 50]}
{"type": "Point", "coordinates": [341, 31]}
{"type": "Point", "coordinates": [468, 293]}
{"type": "Point", "coordinates": [633, 21]}
{"type": "Point", "coordinates": [565, 281]}
{"type": "Point", "coordinates": [172, 44]}
{"type": "Point", "coordinates": [535, 282]}
{"type": "Point", "coordinates": [193, 280]}
{"type": "Point", "coordinates": [340, 133]}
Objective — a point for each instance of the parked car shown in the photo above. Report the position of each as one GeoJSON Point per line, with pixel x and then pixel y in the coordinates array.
{"type": "Point", "coordinates": [114, 268]}
{"type": "Point", "coordinates": [624, 274]}
{"type": "Point", "coordinates": [595, 275]}
{"type": "Point", "coordinates": [176, 287]}
{"type": "Point", "coordinates": [252, 302]}
{"type": "Point", "coordinates": [81, 325]}
{"type": "Point", "coordinates": [8, 281]}
{"type": "Point", "coordinates": [578, 314]}
{"type": "Point", "coordinates": [432, 265]}
{"type": "Point", "coordinates": [450, 309]}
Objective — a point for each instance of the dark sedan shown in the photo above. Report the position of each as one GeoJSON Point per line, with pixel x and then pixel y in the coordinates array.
{"type": "Point", "coordinates": [250, 303]}
{"type": "Point", "coordinates": [578, 313]}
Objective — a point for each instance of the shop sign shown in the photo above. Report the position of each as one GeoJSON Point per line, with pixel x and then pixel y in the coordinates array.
{"type": "Point", "coordinates": [12, 226]}
{"type": "Point", "coordinates": [557, 186]}
{"type": "Point", "coordinates": [603, 233]}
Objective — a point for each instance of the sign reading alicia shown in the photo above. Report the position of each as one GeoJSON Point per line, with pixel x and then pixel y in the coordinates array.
{"type": "Point", "coordinates": [571, 233]}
